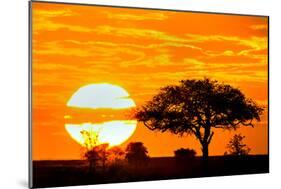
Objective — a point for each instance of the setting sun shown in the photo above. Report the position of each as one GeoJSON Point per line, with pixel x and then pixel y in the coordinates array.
{"type": "Point", "coordinates": [103, 96]}
{"type": "Point", "coordinates": [113, 132]}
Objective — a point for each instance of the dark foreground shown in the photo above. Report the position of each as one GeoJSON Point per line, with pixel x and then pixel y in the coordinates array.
{"type": "Point", "coordinates": [66, 173]}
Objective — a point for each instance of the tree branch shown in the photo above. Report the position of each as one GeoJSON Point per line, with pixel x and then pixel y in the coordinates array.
{"type": "Point", "coordinates": [149, 127]}
{"type": "Point", "coordinates": [198, 134]}
{"type": "Point", "coordinates": [248, 124]}
{"type": "Point", "coordinates": [210, 138]}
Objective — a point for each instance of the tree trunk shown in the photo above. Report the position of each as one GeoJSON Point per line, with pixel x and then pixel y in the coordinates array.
{"type": "Point", "coordinates": [205, 151]}
{"type": "Point", "coordinates": [103, 164]}
{"type": "Point", "coordinates": [205, 144]}
{"type": "Point", "coordinates": [90, 171]}
{"type": "Point", "coordinates": [205, 157]}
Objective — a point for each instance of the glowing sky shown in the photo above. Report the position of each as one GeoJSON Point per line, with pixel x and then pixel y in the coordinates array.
{"type": "Point", "coordinates": [140, 50]}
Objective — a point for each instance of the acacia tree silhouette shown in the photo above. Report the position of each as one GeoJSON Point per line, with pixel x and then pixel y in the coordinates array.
{"type": "Point", "coordinates": [195, 107]}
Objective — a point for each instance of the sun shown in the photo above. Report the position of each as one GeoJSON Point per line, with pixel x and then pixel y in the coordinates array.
{"type": "Point", "coordinates": [101, 96]}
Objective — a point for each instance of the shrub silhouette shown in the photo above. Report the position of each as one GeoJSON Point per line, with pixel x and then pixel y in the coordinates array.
{"type": "Point", "coordinates": [136, 153]}
{"type": "Point", "coordinates": [184, 153]}
{"type": "Point", "coordinates": [236, 147]}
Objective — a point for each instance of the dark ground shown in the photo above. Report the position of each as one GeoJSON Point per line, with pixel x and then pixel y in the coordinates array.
{"type": "Point", "coordinates": [75, 172]}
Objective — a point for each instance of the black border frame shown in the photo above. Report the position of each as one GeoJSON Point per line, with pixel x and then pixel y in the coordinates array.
{"type": "Point", "coordinates": [30, 165]}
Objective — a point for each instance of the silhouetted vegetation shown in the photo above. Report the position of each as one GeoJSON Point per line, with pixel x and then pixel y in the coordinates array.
{"type": "Point", "coordinates": [185, 153]}
{"type": "Point", "coordinates": [97, 156]}
{"type": "Point", "coordinates": [100, 155]}
{"type": "Point", "coordinates": [136, 153]}
{"type": "Point", "coordinates": [116, 154]}
{"type": "Point", "coordinates": [236, 147]}
{"type": "Point", "coordinates": [92, 152]}
{"type": "Point", "coordinates": [195, 107]}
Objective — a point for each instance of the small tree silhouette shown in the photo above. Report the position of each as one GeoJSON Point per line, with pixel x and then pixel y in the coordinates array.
{"type": "Point", "coordinates": [103, 154]}
{"type": "Point", "coordinates": [116, 154]}
{"type": "Point", "coordinates": [236, 146]}
{"type": "Point", "coordinates": [95, 153]}
{"type": "Point", "coordinates": [116, 157]}
{"type": "Point", "coordinates": [184, 153]}
{"type": "Point", "coordinates": [195, 107]}
{"type": "Point", "coordinates": [136, 153]}
{"type": "Point", "coordinates": [92, 157]}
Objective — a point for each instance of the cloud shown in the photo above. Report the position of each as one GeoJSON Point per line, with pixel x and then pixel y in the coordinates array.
{"type": "Point", "coordinates": [138, 33]}
{"type": "Point", "coordinates": [251, 42]}
{"type": "Point", "coordinates": [91, 50]}
{"type": "Point", "coordinates": [53, 13]}
{"type": "Point", "coordinates": [259, 27]}
{"type": "Point", "coordinates": [136, 17]}
{"type": "Point", "coordinates": [42, 20]}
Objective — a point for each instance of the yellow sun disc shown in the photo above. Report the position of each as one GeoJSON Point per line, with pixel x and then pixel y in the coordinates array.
{"type": "Point", "coordinates": [101, 96]}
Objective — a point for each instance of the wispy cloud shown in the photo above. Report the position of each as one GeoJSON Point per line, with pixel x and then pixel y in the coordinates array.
{"type": "Point", "coordinates": [42, 20]}
{"type": "Point", "coordinates": [136, 17]}
{"type": "Point", "coordinates": [252, 42]}
{"type": "Point", "coordinates": [259, 27]}
{"type": "Point", "coordinates": [137, 33]}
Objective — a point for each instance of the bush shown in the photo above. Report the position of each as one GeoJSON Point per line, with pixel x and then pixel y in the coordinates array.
{"type": "Point", "coordinates": [185, 153]}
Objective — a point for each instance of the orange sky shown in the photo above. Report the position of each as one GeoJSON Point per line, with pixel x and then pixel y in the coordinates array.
{"type": "Point", "coordinates": [141, 51]}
